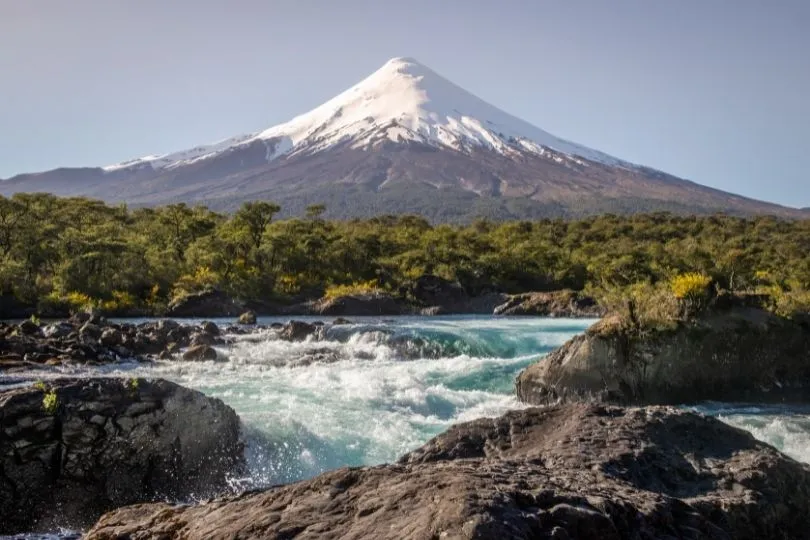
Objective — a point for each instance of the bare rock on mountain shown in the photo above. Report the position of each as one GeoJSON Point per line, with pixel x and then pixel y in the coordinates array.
{"type": "Point", "coordinates": [577, 471]}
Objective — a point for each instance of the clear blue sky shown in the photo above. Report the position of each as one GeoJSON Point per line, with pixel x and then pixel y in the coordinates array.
{"type": "Point", "coordinates": [716, 91]}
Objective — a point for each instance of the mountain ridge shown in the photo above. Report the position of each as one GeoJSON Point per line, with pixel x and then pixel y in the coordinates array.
{"type": "Point", "coordinates": [403, 131]}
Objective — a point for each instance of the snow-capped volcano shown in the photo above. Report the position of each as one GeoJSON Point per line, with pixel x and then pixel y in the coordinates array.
{"type": "Point", "coordinates": [402, 101]}
{"type": "Point", "coordinates": [403, 140]}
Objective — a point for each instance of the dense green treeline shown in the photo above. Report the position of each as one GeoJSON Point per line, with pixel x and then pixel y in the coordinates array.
{"type": "Point", "coordinates": [74, 251]}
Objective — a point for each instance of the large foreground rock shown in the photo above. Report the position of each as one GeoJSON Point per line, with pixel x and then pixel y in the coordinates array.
{"type": "Point", "coordinates": [577, 471]}
{"type": "Point", "coordinates": [739, 354]}
{"type": "Point", "coordinates": [98, 444]}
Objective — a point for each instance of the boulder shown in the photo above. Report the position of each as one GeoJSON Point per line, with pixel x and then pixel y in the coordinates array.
{"type": "Point", "coordinates": [563, 303]}
{"type": "Point", "coordinates": [29, 328]}
{"type": "Point", "coordinates": [57, 330]}
{"type": "Point", "coordinates": [361, 304]}
{"type": "Point", "coordinates": [80, 447]}
{"type": "Point", "coordinates": [576, 471]}
{"type": "Point", "coordinates": [484, 304]}
{"type": "Point", "coordinates": [210, 328]}
{"type": "Point", "coordinates": [248, 317]}
{"type": "Point", "coordinates": [90, 330]}
{"type": "Point", "coordinates": [199, 353]}
{"type": "Point", "coordinates": [111, 337]}
{"type": "Point", "coordinates": [433, 290]}
{"type": "Point", "coordinates": [740, 354]}
{"type": "Point", "coordinates": [297, 330]}
{"type": "Point", "coordinates": [209, 303]}
{"type": "Point", "coordinates": [201, 338]}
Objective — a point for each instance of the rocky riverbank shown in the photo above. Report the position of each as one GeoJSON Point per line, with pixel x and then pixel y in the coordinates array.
{"type": "Point", "coordinates": [738, 354]}
{"type": "Point", "coordinates": [428, 295]}
{"type": "Point", "coordinates": [576, 471]}
{"type": "Point", "coordinates": [89, 339]}
{"type": "Point", "coordinates": [71, 449]}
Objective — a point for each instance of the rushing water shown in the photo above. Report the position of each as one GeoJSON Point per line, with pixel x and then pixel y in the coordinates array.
{"type": "Point", "coordinates": [378, 388]}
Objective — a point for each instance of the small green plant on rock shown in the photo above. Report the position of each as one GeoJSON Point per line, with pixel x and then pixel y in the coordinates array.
{"type": "Point", "coordinates": [40, 385]}
{"type": "Point", "coordinates": [132, 384]}
{"type": "Point", "coordinates": [50, 402]}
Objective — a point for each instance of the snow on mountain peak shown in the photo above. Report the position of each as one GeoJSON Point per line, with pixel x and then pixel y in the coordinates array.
{"type": "Point", "coordinates": [402, 101]}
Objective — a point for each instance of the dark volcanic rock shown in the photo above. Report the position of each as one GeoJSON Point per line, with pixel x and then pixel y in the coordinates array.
{"type": "Point", "coordinates": [740, 354]}
{"type": "Point", "coordinates": [297, 330]}
{"type": "Point", "coordinates": [98, 444]}
{"type": "Point", "coordinates": [577, 471]}
{"type": "Point", "coordinates": [433, 290]}
{"type": "Point", "coordinates": [361, 304]}
{"type": "Point", "coordinates": [80, 340]}
{"type": "Point", "coordinates": [200, 352]}
{"type": "Point", "coordinates": [212, 303]}
{"type": "Point", "coordinates": [551, 304]}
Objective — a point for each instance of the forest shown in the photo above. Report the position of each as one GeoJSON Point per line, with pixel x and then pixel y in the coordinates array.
{"type": "Point", "coordinates": [74, 253]}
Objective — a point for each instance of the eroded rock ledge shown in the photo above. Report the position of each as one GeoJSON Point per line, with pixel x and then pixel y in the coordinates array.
{"type": "Point", "coordinates": [98, 444]}
{"type": "Point", "coordinates": [736, 354]}
{"type": "Point", "coordinates": [576, 471]}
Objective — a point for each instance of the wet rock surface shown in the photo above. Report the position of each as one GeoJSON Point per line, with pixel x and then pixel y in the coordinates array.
{"type": "Point", "coordinates": [71, 449]}
{"type": "Point", "coordinates": [566, 472]}
{"type": "Point", "coordinates": [88, 339]}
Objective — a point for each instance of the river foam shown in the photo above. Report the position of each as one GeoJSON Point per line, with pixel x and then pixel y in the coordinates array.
{"type": "Point", "coordinates": [375, 389]}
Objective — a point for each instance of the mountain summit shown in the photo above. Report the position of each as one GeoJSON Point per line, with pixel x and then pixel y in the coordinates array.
{"type": "Point", "coordinates": [402, 101]}
{"type": "Point", "coordinates": [405, 139]}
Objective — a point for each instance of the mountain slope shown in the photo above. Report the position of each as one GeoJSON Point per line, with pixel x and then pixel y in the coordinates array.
{"type": "Point", "coordinates": [402, 140]}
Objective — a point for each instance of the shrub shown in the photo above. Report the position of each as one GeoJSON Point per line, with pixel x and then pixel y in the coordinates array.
{"type": "Point", "coordinates": [791, 303]}
{"type": "Point", "coordinates": [691, 286]}
{"type": "Point", "coordinates": [641, 306]}
{"type": "Point", "coordinates": [353, 289]}
{"type": "Point", "coordinates": [77, 301]}
{"type": "Point", "coordinates": [50, 402]}
{"type": "Point", "coordinates": [120, 301]}
{"type": "Point", "coordinates": [202, 278]}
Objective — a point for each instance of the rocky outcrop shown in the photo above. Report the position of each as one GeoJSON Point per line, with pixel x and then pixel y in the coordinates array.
{"type": "Point", "coordinates": [735, 354]}
{"type": "Point", "coordinates": [198, 353]}
{"type": "Point", "coordinates": [577, 471]}
{"type": "Point", "coordinates": [430, 290]}
{"type": "Point", "coordinates": [360, 305]}
{"type": "Point", "coordinates": [297, 330]}
{"type": "Point", "coordinates": [91, 339]}
{"type": "Point", "coordinates": [209, 303]}
{"type": "Point", "coordinates": [564, 303]}
{"type": "Point", "coordinates": [72, 449]}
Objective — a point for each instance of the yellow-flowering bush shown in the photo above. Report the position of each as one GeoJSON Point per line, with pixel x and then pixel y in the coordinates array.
{"type": "Point", "coordinates": [353, 289]}
{"type": "Point", "coordinates": [690, 286]}
{"type": "Point", "coordinates": [78, 301]}
{"type": "Point", "coordinates": [120, 301]}
{"type": "Point", "coordinates": [202, 278]}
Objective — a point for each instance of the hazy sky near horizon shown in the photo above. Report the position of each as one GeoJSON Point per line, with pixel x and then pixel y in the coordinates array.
{"type": "Point", "coordinates": [714, 91]}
